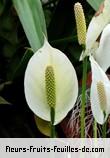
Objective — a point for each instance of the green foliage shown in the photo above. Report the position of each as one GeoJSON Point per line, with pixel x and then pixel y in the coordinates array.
{"type": "Point", "coordinates": [31, 15]}
{"type": "Point", "coordinates": [95, 3]}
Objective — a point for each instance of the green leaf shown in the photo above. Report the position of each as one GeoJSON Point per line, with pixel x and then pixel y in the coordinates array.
{"type": "Point", "coordinates": [32, 18]}
{"type": "Point", "coordinates": [3, 101]}
{"type": "Point", "coordinates": [95, 3]}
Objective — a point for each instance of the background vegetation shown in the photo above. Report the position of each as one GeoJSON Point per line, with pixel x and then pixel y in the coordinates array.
{"type": "Point", "coordinates": [16, 119]}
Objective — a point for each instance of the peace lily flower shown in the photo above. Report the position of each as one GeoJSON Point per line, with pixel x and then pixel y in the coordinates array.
{"type": "Point", "coordinates": [50, 81]}
{"type": "Point", "coordinates": [99, 93]}
{"type": "Point", "coordinates": [98, 23]}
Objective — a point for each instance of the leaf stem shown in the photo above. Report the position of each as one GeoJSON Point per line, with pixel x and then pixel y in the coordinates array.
{"type": "Point", "coordinates": [83, 97]}
{"type": "Point", "coordinates": [104, 128]}
{"type": "Point", "coordinates": [95, 129]}
{"type": "Point", "coordinates": [52, 113]}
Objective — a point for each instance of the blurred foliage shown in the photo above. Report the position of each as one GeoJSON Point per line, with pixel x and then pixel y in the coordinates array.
{"type": "Point", "coordinates": [16, 119]}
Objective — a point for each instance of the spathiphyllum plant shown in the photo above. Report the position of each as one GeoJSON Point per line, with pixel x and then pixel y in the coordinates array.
{"type": "Point", "coordinates": [98, 51]}
{"type": "Point", "coordinates": [51, 85]}
{"type": "Point", "coordinates": [100, 62]}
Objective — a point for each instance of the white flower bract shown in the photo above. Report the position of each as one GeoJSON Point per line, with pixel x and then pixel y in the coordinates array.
{"type": "Point", "coordinates": [97, 25]}
{"type": "Point", "coordinates": [102, 55]}
{"type": "Point", "coordinates": [99, 76]}
{"type": "Point", "coordinates": [65, 81]}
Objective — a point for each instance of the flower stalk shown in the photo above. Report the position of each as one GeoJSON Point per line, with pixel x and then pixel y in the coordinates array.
{"type": "Point", "coordinates": [81, 33]}
{"type": "Point", "coordinates": [52, 122]}
{"type": "Point", "coordinates": [95, 129]}
{"type": "Point", "coordinates": [83, 97]}
{"type": "Point", "coordinates": [104, 130]}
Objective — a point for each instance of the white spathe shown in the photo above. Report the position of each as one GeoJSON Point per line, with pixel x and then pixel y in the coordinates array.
{"type": "Point", "coordinates": [101, 50]}
{"type": "Point", "coordinates": [102, 54]}
{"type": "Point", "coordinates": [65, 80]}
{"type": "Point", "coordinates": [97, 25]}
{"type": "Point", "coordinates": [98, 75]}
